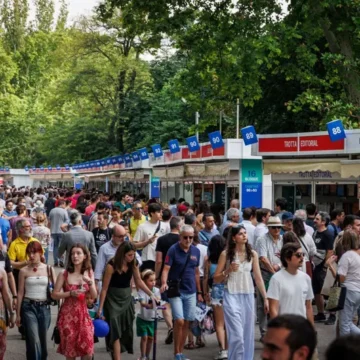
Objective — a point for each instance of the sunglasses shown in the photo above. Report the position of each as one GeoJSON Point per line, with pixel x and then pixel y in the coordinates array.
{"type": "Point", "coordinates": [275, 227]}
{"type": "Point", "coordinates": [139, 208]}
{"type": "Point", "coordinates": [299, 255]}
{"type": "Point", "coordinates": [187, 237]}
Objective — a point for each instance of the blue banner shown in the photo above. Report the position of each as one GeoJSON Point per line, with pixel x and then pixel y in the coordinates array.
{"type": "Point", "coordinates": [155, 187]}
{"type": "Point", "coordinates": [174, 146]}
{"type": "Point", "coordinates": [216, 140]}
{"type": "Point", "coordinates": [144, 154]}
{"type": "Point", "coordinates": [193, 143]}
{"type": "Point", "coordinates": [157, 150]}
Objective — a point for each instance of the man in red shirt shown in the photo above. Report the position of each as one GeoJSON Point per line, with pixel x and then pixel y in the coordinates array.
{"type": "Point", "coordinates": [91, 208]}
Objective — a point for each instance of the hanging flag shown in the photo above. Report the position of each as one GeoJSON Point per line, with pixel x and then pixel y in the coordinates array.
{"type": "Point", "coordinates": [193, 143]}
{"type": "Point", "coordinates": [174, 146]}
{"type": "Point", "coordinates": [216, 140]}
{"type": "Point", "coordinates": [157, 150]}
{"type": "Point", "coordinates": [249, 135]}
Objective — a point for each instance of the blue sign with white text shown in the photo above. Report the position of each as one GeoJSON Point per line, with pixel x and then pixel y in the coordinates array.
{"type": "Point", "coordinates": [336, 130]}
{"type": "Point", "coordinates": [26, 168]}
{"type": "Point", "coordinates": [157, 151]}
{"type": "Point", "coordinates": [249, 135]}
{"type": "Point", "coordinates": [143, 154]}
{"type": "Point", "coordinates": [251, 195]}
{"type": "Point", "coordinates": [127, 158]}
{"type": "Point", "coordinates": [193, 143]}
{"type": "Point", "coordinates": [155, 187]}
{"type": "Point", "coordinates": [174, 146]}
{"type": "Point", "coordinates": [216, 140]}
{"type": "Point", "coordinates": [135, 156]}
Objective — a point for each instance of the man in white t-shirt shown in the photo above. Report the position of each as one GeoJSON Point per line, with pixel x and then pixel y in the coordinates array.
{"type": "Point", "coordinates": [147, 234]}
{"type": "Point", "coordinates": [290, 290]}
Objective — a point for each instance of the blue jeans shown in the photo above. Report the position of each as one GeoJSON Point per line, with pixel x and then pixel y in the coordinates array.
{"type": "Point", "coordinates": [46, 254]}
{"type": "Point", "coordinates": [36, 320]}
{"type": "Point", "coordinates": [57, 239]}
{"type": "Point", "coordinates": [352, 303]}
{"type": "Point", "coordinates": [183, 307]}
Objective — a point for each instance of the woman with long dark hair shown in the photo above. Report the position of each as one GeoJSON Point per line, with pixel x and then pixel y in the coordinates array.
{"type": "Point", "coordinates": [74, 323]}
{"type": "Point", "coordinates": [116, 300]}
{"type": "Point", "coordinates": [216, 247]}
{"type": "Point", "coordinates": [234, 268]}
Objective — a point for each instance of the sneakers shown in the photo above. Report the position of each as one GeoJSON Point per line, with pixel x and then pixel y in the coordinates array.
{"type": "Point", "coordinates": [170, 336]}
{"type": "Point", "coordinates": [222, 355]}
{"type": "Point", "coordinates": [180, 357]}
{"type": "Point", "coordinates": [331, 320]}
{"type": "Point", "coordinates": [319, 317]}
{"type": "Point", "coordinates": [183, 357]}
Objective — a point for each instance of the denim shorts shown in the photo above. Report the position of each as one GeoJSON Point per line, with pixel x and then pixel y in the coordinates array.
{"type": "Point", "coordinates": [183, 307]}
{"type": "Point", "coordinates": [217, 294]}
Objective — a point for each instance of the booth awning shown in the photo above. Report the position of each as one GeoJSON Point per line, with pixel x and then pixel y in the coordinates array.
{"type": "Point", "coordinates": [350, 170]}
{"type": "Point", "coordinates": [297, 166]}
{"type": "Point", "coordinates": [139, 175]}
{"type": "Point", "coordinates": [96, 175]}
{"type": "Point", "coordinates": [217, 169]}
{"type": "Point", "coordinates": [195, 169]}
{"type": "Point", "coordinates": [176, 172]}
{"type": "Point", "coordinates": [159, 172]}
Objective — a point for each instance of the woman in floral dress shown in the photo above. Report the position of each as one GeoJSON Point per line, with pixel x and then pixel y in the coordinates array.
{"type": "Point", "coordinates": [74, 323]}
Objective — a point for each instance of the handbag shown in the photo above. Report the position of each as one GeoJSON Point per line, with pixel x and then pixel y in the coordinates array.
{"type": "Point", "coordinates": [337, 297]}
{"type": "Point", "coordinates": [50, 287]}
{"type": "Point", "coordinates": [56, 333]}
{"type": "Point", "coordinates": [174, 285]}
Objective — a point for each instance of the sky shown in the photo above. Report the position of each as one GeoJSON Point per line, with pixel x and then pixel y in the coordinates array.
{"type": "Point", "coordinates": [80, 7]}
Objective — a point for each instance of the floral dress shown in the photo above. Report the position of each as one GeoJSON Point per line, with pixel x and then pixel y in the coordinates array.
{"type": "Point", "coordinates": [75, 325]}
{"type": "Point", "coordinates": [3, 325]}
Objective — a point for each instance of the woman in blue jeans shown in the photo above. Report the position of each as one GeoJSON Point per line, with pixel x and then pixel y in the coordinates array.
{"type": "Point", "coordinates": [33, 311]}
{"type": "Point", "coordinates": [349, 275]}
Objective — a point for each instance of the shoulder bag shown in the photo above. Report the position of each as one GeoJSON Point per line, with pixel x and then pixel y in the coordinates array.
{"type": "Point", "coordinates": [336, 297]}
{"type": "Point", "coordinates": [50, 287]}
{"type": "Point", "coordinates": [174, 285]}
{"type": "Point", "coordinates": [308, 264]}
{"type": "Point", "coordinates": [56, 333]}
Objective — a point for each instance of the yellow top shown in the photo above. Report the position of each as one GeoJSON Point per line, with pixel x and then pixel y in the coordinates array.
{"type": "Point", "coordinates": [17, 249]}
{"type": "Point", "coordinates": [134, 223]}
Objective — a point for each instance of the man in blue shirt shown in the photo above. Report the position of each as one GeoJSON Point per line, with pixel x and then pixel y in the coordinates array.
{"type": "Point", "coordinates": [5, 229]}
{"type": "Point", "coordinates": [9, 212]}
{"type": "Point", "coordinates": [208, 232]}
{"type": "Point", "coordinates": [182, 262]}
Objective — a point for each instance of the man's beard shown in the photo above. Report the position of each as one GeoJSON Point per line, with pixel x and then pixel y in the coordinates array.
{"type": "Point", "coordinates": [28, 234]}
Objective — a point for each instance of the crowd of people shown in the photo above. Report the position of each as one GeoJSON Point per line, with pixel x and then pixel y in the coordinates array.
{"type": "Point", "coordinates": [250, 266]}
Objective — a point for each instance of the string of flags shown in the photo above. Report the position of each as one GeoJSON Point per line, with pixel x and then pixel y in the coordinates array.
{"type": "Point", "coordinates": [335, 130]}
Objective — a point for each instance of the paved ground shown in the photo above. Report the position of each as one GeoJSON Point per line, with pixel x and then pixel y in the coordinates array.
{"type": "Point", "coordinates": [16, 347]}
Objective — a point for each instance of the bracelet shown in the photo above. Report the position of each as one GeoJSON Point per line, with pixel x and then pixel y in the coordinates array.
{"type": "Point", "coordinates": [199, 293]}
{"type": "Point", "coordinates": [90, 283]}
{"type": "Point", "coordinates": [14, 296]}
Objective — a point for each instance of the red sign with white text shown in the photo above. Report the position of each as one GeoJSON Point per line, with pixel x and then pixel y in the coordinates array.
{"type": "Point", "coordinates": [292, 144]}
{"type": "Point", "coordinates": [281, 144]}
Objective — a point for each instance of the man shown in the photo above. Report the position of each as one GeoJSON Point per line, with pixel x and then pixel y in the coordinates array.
{"type": "Point", "coordinates": [311, 212]}
{"type": "Point", "coordinates": [77, 235]}
{"type": "Point", "coordinates": [234, 204]}
{"type": "Point", "coordinates": [9, 213]}
{"type": "Point", "coordinates": [124, 205]}
{"type": "Point", "coordinates": [164, 243]}
{"type": "Point", "coordinates": [137, 218]}
{"type": "Point", "coordinates": [233, 217]}
{"type": "Point", "coordinates": [21, 214]}
{"type": "Point", "coordinates": [289, 337]}
{"type": "Point", "coordinates": [91, 208]}
{"type": "Point", "coordinates": [182, 262]}
{"type": "Point", "coordinates": [100, 208]}
{"type": "Point", "coordinates": [344, 348]}
{"type": "Point", "coordinates": [147, 234]}
{"type": "Point", "coordinates": [290, 290]}
{"type": "Point", "coordinates": [166, 216]}
{"type": "Point", "coordinates": [102, 234]}
{"type": "Point", "coordinates": [324, 242]}
{"type": "Point", "coordinates": [208, 232]}
{"type": "Point", "coordinates": [57, 217]}
{"type": "Point", "coordinates": [302, 215]}
{"type": "Point", "coordinates": [5, 230]}
{"type": "Point", "coordinates": [287, 218]}
{"type": "Point", "coordinates": [336, 219]}
{"type": "Point", "coordinates": [107, 251]}
{"type": "Point", "coordinates": [262, 217]}
{"type": "Point", "coordinates": [248, 219]}
{"type": "Point", "coordinates": [280, 207]}
{"type": "Point", "coordinates": [268, 248]}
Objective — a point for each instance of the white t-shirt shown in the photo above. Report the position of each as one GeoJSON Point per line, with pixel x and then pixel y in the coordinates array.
{"type": "Point", "coordinates": [349, 266]}
{"type": "Point", "coordinates": [147, 314]}
{"type": "Point", "coordinates": [250, 230]}
{"type": "Point", "coordinates": [144, 232]}
{"type": "Point", "coordinates": [203, 252]}
{"type": "Point", "coordinates": [291, 291]}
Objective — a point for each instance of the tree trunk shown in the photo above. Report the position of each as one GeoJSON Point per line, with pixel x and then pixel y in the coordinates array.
{"type": "Point", "coordinates": [120, 124]}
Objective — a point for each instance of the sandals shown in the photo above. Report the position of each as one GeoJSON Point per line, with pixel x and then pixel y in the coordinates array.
{"type": "Point", "coordinates": [199, 342]}
{"type": "Point", "coordinates": [190, 346]}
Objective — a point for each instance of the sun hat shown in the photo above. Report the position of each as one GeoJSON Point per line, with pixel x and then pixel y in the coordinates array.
{"type": "Point", "coordinates": [274, 221]}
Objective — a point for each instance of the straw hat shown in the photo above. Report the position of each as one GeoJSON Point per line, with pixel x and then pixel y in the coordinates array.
{"type": "Point", "coordinates": [274, 221]}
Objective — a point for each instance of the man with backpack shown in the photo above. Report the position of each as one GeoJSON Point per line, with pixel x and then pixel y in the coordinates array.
{"type": "Point", "coordinates": [336, 219]}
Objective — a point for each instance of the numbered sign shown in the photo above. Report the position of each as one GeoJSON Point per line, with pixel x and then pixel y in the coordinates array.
{"type": "Point", "coordinates": [98, 163]}
{"type": "Point", "coordinates": [67, 167]}
{"type": "Point", "coordinates": [174, 146]}
{"type": "Point", "coordinates": [7, 168]}
{"type": "Point", "coordinates": [193, 143]}
{"type": "Point", "coordinates": [143, 154]}
{"type": "Point", "coordinates": [135, 156]}
{"type": "Point", "coordinates": [113, 160]}
{"type": "Point", "coordinates": [127, 158]}
{"type": "Point", "coordinates": [216, 140]}
{"type": "Point", "coordinates": [49, 167]}
{"type": "Point", "coordinates": [26, 168]}
{"type": "Point", "coordinates": [157, 150]}
{"type": "Point", "coordinates": [58, 168]}
{"type": "Point", "coordinates": [41, 168]}
{"type": "Point", "coordinates": [119, 159]}
{"type": "Point", "coordinates": [336, 130]}
{"type": "Point", "coordinates": [249, 135]}
{"type": "Point", "coordinates": [108, 161]}
{"type": "Point", "coordinates": [33, 168]}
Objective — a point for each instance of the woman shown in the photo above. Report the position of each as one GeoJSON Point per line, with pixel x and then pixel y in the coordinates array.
{"type": "Point", "coordinates": [116, 299]}
{"type": "Point", "coordinates": [5, 312]}
{"type": "Point", "coordinates": [234, 266]}
{"type": "Point", "coordinates": [216, 247]}
{"type": "Point", "coordinates": [115, 217]}
{"type": "Point", "coordinates": [203, 209]}
{"type": "Point", "coordinates": [348, 272]}
{"type": "Point", "coordinates": [33, 311]}
{"type": "Point", "coordinates": [42, 233]}
{"type": "Point", "coordinates": [74, 323]}
{"type": "Point", "coordinates": [307, 244]}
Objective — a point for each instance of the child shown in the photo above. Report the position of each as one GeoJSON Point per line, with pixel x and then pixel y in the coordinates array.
{"type": "Point", "coordinates": [145, 319]}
